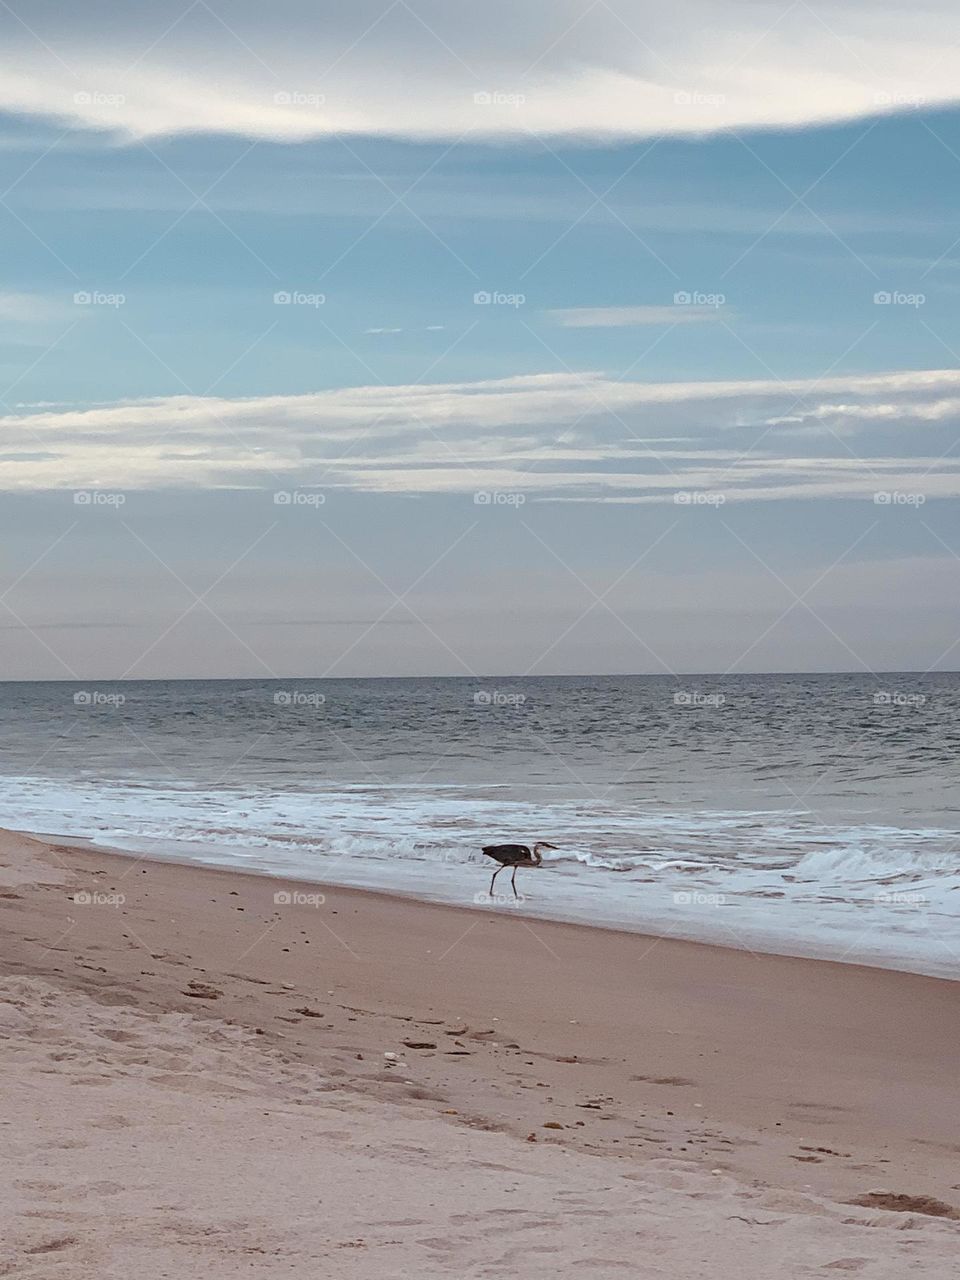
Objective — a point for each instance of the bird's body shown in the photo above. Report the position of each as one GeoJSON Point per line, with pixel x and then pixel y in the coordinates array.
{"type": "Point", "coordinates": [512, 855]}
{"type": "Point", "coordinates": [515, 855]}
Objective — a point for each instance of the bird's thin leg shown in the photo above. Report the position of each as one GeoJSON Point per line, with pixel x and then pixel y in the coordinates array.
{"type": "Point", "coordinates": [513, 881]}
{"type": "Point", "coordinates": [492, 878]}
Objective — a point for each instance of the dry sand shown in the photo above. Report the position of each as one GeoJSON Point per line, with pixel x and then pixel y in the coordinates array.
{"type": "Point", "coordinates": [196, 1084]}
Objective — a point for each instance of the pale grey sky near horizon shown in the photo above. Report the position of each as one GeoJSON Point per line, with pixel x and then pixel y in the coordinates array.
{"type": "Point", "coordinates": [393, 341]}
{"type": "Point", "coordinates": [229, 584]}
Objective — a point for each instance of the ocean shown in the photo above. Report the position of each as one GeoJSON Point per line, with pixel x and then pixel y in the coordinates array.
{"type": "Point", "coordinates": [802, 814]}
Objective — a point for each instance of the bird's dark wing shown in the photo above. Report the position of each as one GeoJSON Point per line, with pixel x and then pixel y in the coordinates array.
{"type": "Point", "coordinates": [506, 853]}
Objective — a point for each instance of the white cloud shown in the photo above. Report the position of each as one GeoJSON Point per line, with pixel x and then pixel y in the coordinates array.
{"type": "Point", "coordinates": [428, 68]}
{"type": "Point", "coordinates": [33, 308]}
{"type": "Point", "coordinates": [556, 436]}
{"type": "Point", "coordinates": [629, 317]}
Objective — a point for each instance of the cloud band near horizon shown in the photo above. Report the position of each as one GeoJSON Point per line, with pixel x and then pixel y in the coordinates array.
{"type": "Point", "coordinates": [551, 436]}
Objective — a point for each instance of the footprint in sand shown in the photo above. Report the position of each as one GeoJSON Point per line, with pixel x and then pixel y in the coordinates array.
{"type": "Point", "coordinates": [202, 991]}
{"type": "Point", "coordinates": [674, 1080]}
{"type": "Point", "coordinates": [112, 1122]}
{"type": "Point", "coordinates": [52, 1246]}
{"type": "Point", "coordinates": [907, 1204]}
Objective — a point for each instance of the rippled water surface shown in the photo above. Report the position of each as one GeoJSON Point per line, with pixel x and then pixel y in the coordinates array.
{"type": "Point", "coordinates": [810, 814]}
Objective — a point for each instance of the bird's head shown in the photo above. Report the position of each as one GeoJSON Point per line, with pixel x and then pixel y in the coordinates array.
{"type": "Point", "coordinates": [542, 844]}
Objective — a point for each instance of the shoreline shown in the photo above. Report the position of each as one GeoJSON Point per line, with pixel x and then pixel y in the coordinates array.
{"type": "Point", "coordinates": [561, 900]}
{"type": "Point", "coordinates": [762, 1083]}
{"type": "Point", "coordinates": [388, 895]}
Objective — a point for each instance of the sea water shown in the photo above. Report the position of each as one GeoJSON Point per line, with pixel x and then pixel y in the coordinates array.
{"type": "Point", "coordinates": [804, 814]}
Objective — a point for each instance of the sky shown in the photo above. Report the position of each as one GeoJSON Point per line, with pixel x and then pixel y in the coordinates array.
{"type": "Point", "coordinates": [415, 338]}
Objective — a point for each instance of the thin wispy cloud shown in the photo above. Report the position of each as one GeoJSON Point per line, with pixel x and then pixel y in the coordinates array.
{"type": "Point", "coordinates": [34, 309]}
{"type": "Point", "coordinates": [629, 317]}
{"type": "Point", "coordinates": [553, 436]}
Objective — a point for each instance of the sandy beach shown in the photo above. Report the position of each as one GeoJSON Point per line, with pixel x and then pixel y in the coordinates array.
{"type": "Point", "coordinates": [202, 1079]}
{"type": "Point", "coordinates": [480, 688]}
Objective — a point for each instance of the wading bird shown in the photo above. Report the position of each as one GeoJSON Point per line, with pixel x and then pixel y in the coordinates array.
{"type": "Point", "coordinates": [514, 855]}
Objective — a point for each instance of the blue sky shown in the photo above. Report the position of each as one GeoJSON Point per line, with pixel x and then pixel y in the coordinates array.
{"type": "Point", "coordinates": [705, 216]}
{"type": "Point", "coordinates": [243, 255]}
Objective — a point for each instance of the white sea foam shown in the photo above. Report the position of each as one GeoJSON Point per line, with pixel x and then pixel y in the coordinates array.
{"type": "Point", "coordinates": [771, 880]}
